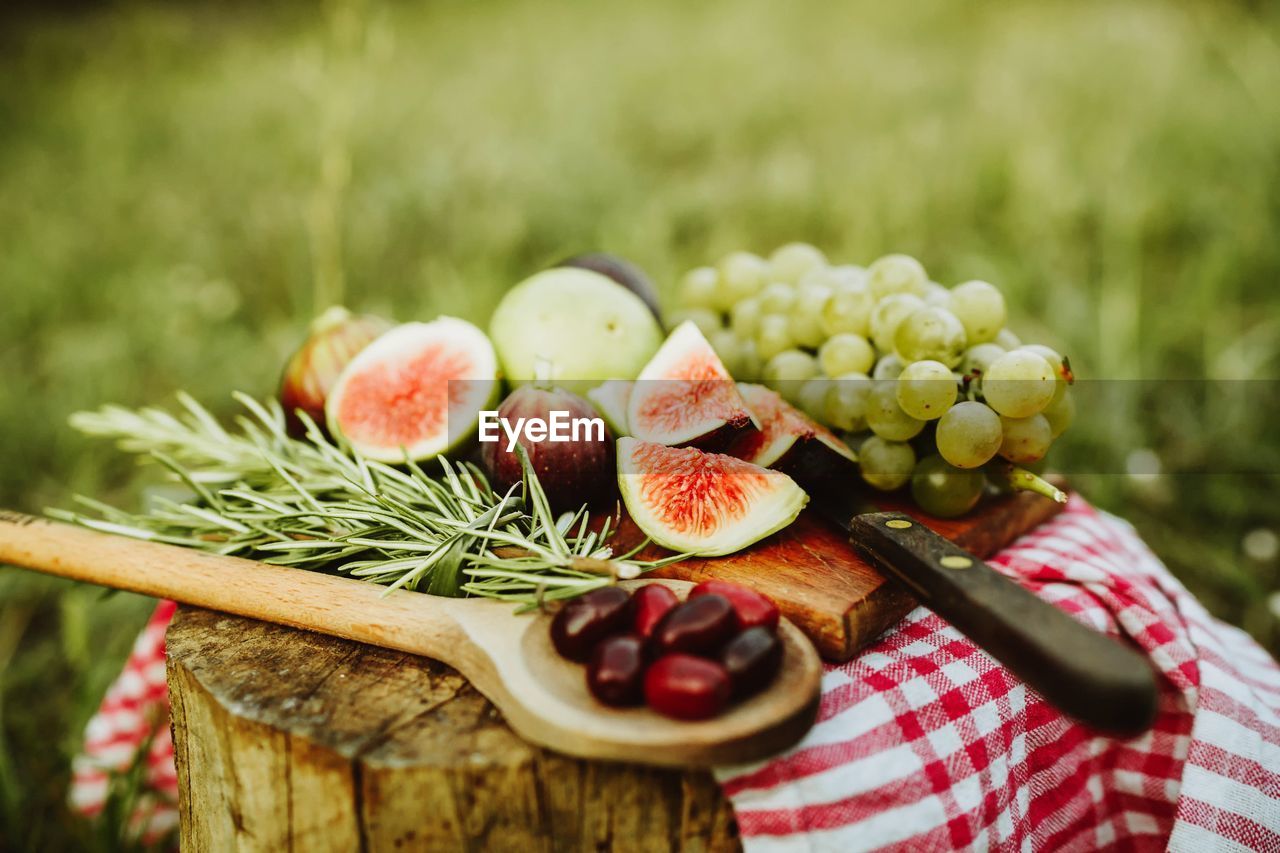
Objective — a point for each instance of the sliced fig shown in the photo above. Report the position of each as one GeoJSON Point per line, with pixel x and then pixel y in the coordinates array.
{"type": "Point", "coordinates": [791, 441]}
{"type": "Point", "coordinates": [696, 502]}
{"type": "Point", "coordinates": [686, 397]}
{"type": "Point", "coordinates": [416, 391]}
{"type": "Point", "coordinates": [611, 399]}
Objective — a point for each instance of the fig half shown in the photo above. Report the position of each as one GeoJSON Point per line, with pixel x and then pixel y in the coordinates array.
{"type": "Point", "coordinates": [416, 391]}
{"type": "Point", "coordinates": [703, 503]}
{"type": "Point", "coordinates": [336, 337]}
{"type": "Point", "coordinates": [792, 442]}
{"type": "Point", "coordinates": [686, 397]}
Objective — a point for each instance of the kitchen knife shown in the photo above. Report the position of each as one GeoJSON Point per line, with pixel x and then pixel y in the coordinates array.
{"type": "Point", "coordinates": [1086, 675]}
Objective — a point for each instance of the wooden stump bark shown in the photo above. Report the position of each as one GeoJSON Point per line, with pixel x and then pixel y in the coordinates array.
{"type": "Point", "coordinates": [286, 739]}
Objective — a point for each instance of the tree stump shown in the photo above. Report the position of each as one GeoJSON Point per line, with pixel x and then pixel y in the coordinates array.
{"type": "Point", "coordinates": [287, 739]}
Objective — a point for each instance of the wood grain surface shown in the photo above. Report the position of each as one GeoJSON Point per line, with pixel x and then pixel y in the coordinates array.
{"type": "Point", "coordinates": [289, 740]}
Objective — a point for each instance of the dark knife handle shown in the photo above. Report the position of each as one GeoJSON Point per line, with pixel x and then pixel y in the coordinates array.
{"type": "Point", "coordinates": [1083, 673]}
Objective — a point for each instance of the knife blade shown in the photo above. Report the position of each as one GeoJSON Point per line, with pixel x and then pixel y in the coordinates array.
{"type": "Point", "coordinates": [1087, 675]}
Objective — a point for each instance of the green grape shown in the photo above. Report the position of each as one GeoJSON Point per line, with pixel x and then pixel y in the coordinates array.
{"type": "Point", "coordinates": [847, 402]}
{"type": "Point", "coordinates": [806, 314]}
{"type": "Point", "coordinates": [943, 490]}
{"type": "Point", "coordinates": [777, 298]}
{"type": "Point", "coordinates": [886, 465]}
{"type": "Point", "coordinates": [1026, 440]}
{"type": "Point", "coordinates": [1049, 354]}
{"type": "Point", "coordinates": [786, 370]}
{"type": "Point", "coordinates": [1018, 384]}
{"type": "Point", "coordinates": [698, 288]}
{"type": "Point", "coordinates": [742, 274]}
{"type": "Point", "coordinates": [726, 345]}
{"type": "Point", "coordinates": [930, 334]}
{"type": "Point", "coordinates": [978, 358]}
{"type": "Point", "coordinates": [1056, 361]}
{"type": "Point", "coordinates": [896, 274]}
{"type": "Point", "coordinates": [1059, 365]}
{"type": "Point", "coordinates": [889, 367]}
{"type": "Point", "coordinates": [926, 389]}
{"type": "Point", "coordinates": [847, 275]}
{"type": "Point", "coordinates": [846, 353]}
{"type": "Point", "coordinates": [707, 321]}
{"type": "Point", "coordinates": [969, 435]}
{"type": "Point", "coordinates": [744, 318]}
{"type": "Point", "coordinates": [980, 308]}
{"type": "Point", "coordinates": [888, 313]}
{"type": "Point", "coordinates": [848, 310]}
{"type": "Point", "coordinates": [1008, 339]}
{"type": "Point", "coordinates": [773, 335]}
{"type": "Point", "coordinates": [749, 364]}
{"type": "Point", "coordinates": [811, 397]}
{"type": "Point", "coordinates": [792, 262]}
{"type": "Point", "coordinates": [886, 418]}
{"type": "Point", "coordinates": [937, 296]}
{"type": "Point", "coordinates": [1061, 412]}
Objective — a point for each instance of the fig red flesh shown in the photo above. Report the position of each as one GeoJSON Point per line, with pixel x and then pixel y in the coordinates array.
{"type": "Point", "coordinates": [615, 675]}
{"type": "Point", "coordinates": [687, 687]}
{"type": "Point", "coordinates": [699, 627]}
{"type": "Point", "coordinates": [582, 623]}
{"type": "Point", "coordinates": [651, 603]}
{"type": "Point", "coordinates": [686, 396]}
{"type": "Point", "coordinates": [703, 503]}
{"type": "Point", "coordinates": [752, 659]}
{"type": "Point", "coordinates": [750, 608]}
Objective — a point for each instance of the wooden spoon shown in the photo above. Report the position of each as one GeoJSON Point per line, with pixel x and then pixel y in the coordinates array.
{"type": "Point", "coordinates": [508, 657]}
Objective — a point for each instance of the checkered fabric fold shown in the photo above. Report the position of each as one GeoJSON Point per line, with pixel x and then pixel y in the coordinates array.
{"type": "Point", "coordinates": [133, 716]}
{"type": "Point", "coordinates": [924, 742]}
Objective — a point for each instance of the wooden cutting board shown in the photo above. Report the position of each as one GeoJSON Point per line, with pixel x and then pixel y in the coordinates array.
{"type": "Point", "coordinates": [820, 583]}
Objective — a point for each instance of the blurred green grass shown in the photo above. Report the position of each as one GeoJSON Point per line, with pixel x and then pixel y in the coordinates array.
{"type": "Point", "coordinates": [181, 187]}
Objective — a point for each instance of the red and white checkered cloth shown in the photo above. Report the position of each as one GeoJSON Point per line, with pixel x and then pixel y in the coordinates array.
{"type": "Point", "coordinates": [924, 742]}
{"type": "Point", "coordinates": [134, 714]}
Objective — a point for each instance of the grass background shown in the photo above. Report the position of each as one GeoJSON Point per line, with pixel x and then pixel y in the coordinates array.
{"type": "Point", "coordinates": [182, 186]}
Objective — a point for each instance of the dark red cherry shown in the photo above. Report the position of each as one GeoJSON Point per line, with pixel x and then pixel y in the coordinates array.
{"type": "Point", "coordinates": [615, 674]}
{"type": "Point", "coordinates": [686, 687]}
{"type": "Point", "coordinates": [699, 626]}
{"type": "Point", "coordinates": [750, 607]}
{"type": "Point", "coordinates": [752, 660]}
{"type": "Point", "coordinates": [584, 621]}
{"type": "Point", "coordinates": [651, 603]}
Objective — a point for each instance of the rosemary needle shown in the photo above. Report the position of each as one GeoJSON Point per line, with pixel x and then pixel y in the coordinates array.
{"type": "Point", "coordinates": [315, 504]}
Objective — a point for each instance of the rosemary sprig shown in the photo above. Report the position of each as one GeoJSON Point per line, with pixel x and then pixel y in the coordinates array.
{"type": "Point", "coordinates": [311, 503]}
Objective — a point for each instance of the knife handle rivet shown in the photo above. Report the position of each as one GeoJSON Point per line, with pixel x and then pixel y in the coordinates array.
{"type": "Point", "coordinates": [898, 523]}
{"type": "Point", "coordinates": [955, 561]}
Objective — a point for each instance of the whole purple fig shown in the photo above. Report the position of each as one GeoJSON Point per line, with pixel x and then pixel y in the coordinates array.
{"type": "Point", "coordinates": [335, 337]}
{"type": "Point", "coordinates": [569, 446]}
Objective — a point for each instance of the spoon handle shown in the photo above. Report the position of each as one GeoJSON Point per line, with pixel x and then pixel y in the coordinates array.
{"type": "Point", "coordinates": [406, 621]}
{"type": "Point", "coordinates": [508, 658]}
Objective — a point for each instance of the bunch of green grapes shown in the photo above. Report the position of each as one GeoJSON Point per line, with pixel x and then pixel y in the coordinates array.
{"type": "Point", "coordinates": [924, 381]}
